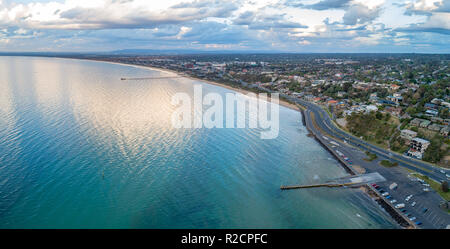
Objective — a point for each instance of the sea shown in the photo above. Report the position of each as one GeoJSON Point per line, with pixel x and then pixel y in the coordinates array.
{"type": "Point", "coordinates": [82, 148]}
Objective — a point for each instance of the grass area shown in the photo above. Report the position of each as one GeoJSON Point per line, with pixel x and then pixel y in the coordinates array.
{"type": "Point", "coordinates": [374, 127]}
{"type": "Point", "coordinates": [328, 111]}
{"type": "Point", "coordinates": [434, 185]}
{"type": "Point", "coordinates": [387, 163]}
{"type": "Point", "coordinates": [371, 156]}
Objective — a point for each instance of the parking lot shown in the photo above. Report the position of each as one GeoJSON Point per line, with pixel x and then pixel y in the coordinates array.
{"type": "Point", "coordinates": [433, 218]}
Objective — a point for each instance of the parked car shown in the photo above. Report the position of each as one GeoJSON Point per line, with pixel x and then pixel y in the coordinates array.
{"type": "Point", "coordinates": [393, 201]}
{"type": "Point", "coordinates": [413, 204]}
{"type": "Point", "coordinates": [400, 205]}
{"type": "Point", "coordinates": [426, 189]}
{"type": "Point", "coordinates": [403, 210]}
{"type": "Point", "coordinates": [424, 210]}
{"type": "Point", "coordinates": [385, 194]}
{"type": "Point", "coordinates": [388, 197]}
{"type": "Point", "coordinates": [418, 223]}
{"type": "Point", "coordinates": [393, 186]}
{"type": "Point", "coordinates": [412, 219]}
{"type": "Point", "coordinates": [408, 197]}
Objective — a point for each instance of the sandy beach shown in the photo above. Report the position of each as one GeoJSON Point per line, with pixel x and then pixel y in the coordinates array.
{"type": "Point", "coordinates": [168, 71]}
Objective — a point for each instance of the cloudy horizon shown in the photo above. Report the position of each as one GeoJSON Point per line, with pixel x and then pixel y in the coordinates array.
{"type": "Point", "coordinates": [420, 26]}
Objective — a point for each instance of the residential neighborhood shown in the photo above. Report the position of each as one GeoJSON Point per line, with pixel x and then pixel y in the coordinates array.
{"type": "Point", "coordinates": [404, 92]}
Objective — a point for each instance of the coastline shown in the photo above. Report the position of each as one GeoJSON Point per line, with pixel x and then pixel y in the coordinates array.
{"type": "Point", "coordinates": [223, 85]}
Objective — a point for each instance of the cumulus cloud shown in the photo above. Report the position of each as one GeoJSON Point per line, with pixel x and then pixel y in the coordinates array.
{"type": "Point", "coordinates": [110, 14]}
{"type": "Point", "coordinates": [263, 21]}
{"type": "Point", "coordinates": [437, 12]}
{"type": "Point", "coordinates": [327, 4]}
{"type": "Point", "coordinates": [316, 25]}
{"type": "Point", "coordinates": [360, 13]}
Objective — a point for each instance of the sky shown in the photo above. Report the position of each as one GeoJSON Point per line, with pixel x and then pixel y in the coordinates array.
{"type": "Point", "coordinates": [300, 26]}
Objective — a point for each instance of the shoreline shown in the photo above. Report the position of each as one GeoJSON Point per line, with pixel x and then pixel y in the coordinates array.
{"type": "Point", "coordinates": [398, 219]}
{"type": "Point", "coordinates": [282, 102]}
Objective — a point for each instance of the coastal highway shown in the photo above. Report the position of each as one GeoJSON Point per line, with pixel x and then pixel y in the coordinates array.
{"type": "Point", "coordinates": [433, 218]}
{"type": "Point", "coordinates": [324, 122]}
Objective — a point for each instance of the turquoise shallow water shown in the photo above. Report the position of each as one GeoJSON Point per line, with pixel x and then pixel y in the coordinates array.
{"type": "Point", "coordinates": [79, 148]}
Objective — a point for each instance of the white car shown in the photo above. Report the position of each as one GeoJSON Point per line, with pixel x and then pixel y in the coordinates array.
{"type": "Point", "coordinates": [412, 219]}
{"type": "Point", "coordinates": [443, 172]}
{"type": "Point", "coordinates": [400, 205]}
{"type": "Point", "coordinates": [408, 197]}
{"type": "Point", "coordinates": [426, 184]}
{"type": "Point", "coordinates": [413, 204]}
{"type": "Point", "coordinates": [426, 189]}
{"type": "Point", "coordinates": [385, 194]}
{"type": "Point", "coordinates": [447, 175]}
{"type": "Point", "coordinates": [393, 201]}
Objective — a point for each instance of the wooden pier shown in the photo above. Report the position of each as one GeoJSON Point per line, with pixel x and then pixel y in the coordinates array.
{"type": "Point", "coordinates": [328, 185]}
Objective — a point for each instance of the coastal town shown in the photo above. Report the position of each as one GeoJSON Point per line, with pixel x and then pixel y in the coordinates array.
{"type": "Point", "coordinates": [398, 102]}
{"type": "Point", "coordinates": [371, 112]}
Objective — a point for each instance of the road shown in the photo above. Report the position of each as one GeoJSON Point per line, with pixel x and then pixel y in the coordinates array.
{"type": "Point", "coordinates": [326, 124]}
{"type": "Point", "coordinates": [433, 218]}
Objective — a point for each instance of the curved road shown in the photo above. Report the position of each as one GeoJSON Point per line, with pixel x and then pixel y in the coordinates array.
{"type": "Point", "coordinates": [325, 123]}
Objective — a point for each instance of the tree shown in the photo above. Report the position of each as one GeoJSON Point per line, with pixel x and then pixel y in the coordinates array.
{"type": "Point", "coordinates": [444, 186]}
{"type": "Point", "coordinates": [378, 115]}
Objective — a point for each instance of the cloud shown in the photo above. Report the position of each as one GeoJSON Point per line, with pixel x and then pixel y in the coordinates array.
{"type": "Point", "coordinates": [327, 4]}
{"type": "Point", "coordinates": [296, 26]}
{"type": "Point", "coordinates": [436, 22]}
{"type": "Point", "coordinates": [110, 14]}
{"type": "Point", "coordinates": [437, 12]}
{"type": "Point", "coordinates": [263, 21]}
{"type": "Point", "coordinates": [360, 13]}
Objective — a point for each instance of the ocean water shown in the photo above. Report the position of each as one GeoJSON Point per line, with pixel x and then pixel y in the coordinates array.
{"type": "Point", "coordinates": [80, 148]}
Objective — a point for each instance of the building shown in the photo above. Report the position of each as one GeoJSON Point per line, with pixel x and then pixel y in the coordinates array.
{"type": "Point", "coordinates": [446, 104]}
{"type": "Point", "coordinates": [431, 113]}
{"type": "Point", "coordinates": [444, 131]}
{"type": "Point", "coordinates": [425, 123]}
{"type": "Point", "coordinates": [418, 146]}
{"type": "Point", "coordinates": [437, 101]}
{"type": "Point", "coordinates": [370, 108]}
{"type": "Point", "coordinates": [396, 111]}
{"type": "Point", "coordinates": [416, 121]}
{"type": "Point", "coordinates": [332, 102]}
{"type": "Point", "coordinates": [435, 127]}
{"type": "Point", "coordinates": [396, 99]}
{"type": "Point", "coordinates": [408, 134]}
{"type": "Point", "coordinates": [395, 87]}
{"type": "Point", "coordinates": [430, 106]}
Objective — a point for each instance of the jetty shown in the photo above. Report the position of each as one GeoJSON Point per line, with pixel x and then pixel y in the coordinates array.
{"type": "Point", "coordinates": [346, 181]}
{"type": "Point", "coordinates": [328, 185]}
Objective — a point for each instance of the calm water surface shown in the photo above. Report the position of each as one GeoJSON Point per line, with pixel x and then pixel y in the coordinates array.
{"type": "Point", "coordinates": [79, 148]}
